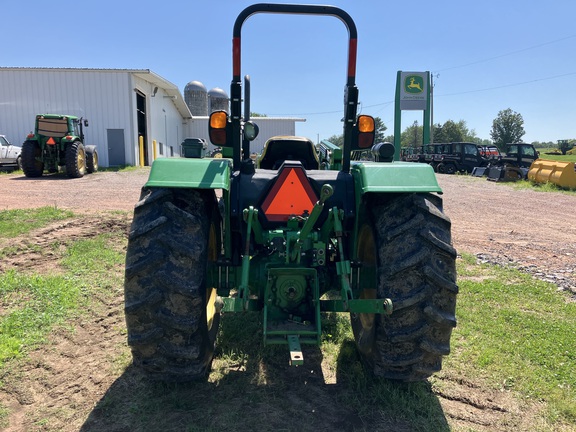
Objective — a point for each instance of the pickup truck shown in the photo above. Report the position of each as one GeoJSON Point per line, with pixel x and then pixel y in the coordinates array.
{"type": "Point", "coordinates": [9, 154]}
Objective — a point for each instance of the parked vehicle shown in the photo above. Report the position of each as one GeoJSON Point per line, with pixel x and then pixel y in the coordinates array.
{"type": "Point", "coordinates": [514, 164]}
{"type": "Point", "coordinates": [462, 157]}
{"type": "Point", "coordinates": [58, 141]}
{"type": "Point", "coordinates": [306, 230]}
{"type": "Point", "coordinates": [10, 154]}
{"type": "Point", "coordinates": [433, 153]}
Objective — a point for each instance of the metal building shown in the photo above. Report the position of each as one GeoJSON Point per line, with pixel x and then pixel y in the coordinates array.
{"type": "Point", "coordinates": [120, 104]}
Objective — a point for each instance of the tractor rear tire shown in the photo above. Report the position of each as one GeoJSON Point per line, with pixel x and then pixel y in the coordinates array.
{"type": "Point", "coordinates": [171, 310]}
{"type": "Point", "coordinates": [30, 155]}
{"type": "Point", "coordinates": [75, 160]}
{"type": "Point", "coordinates": [404, 246]}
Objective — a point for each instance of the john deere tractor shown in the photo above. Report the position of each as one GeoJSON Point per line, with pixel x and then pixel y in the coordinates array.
{"type": "Point", "coordinates": [299, 232]}
{"type": "Point", "coordinates": [58, 141]}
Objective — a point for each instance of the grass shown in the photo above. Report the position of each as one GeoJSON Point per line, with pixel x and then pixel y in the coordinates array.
{"type": "Point", "coordinates": [17, 222]}
{"type": "Point", "coordinates": [517, 333]}
{"type": "Point", "coordinates": [569, 157]}
{"type": "Point", "coordinates": [539, 187]}
{"type": "Point", "coordinates": [33, 305]}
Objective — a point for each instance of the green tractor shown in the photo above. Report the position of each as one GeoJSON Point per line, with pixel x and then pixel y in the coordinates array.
{"type": "Point", "coordinates": [303, 231]}
{"type": "Point", "coordinates": [58, 141]}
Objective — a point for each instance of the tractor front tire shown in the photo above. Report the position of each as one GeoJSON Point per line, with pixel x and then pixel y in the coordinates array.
{"type": "Point", "coordinates": [75, 160]}
{"type": "Point", "coordinates": [30, 159]}
{"type": "Point", "coordinates": [404, 247]}
{"type": "Point", "coordinates": [171, 308]}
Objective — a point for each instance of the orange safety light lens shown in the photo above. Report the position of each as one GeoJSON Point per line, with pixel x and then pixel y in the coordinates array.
{"type": "Point", "coordinates": [218, 120]}
{"type": "Point", "coordinates": [365, 123]}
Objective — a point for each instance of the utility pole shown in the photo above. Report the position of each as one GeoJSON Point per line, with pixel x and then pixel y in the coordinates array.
{"type": "Point", "coordinates": [432, 107]}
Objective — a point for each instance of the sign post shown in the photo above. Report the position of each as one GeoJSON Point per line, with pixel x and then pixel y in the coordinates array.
{"type": "Point", "coordinates": [412, 94]}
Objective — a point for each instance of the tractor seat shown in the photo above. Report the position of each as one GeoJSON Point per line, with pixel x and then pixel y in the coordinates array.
{"type": "Point", "coordinates": [281, 148]}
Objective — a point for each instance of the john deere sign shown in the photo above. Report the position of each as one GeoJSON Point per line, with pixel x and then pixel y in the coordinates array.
{"type": "Point", "coordinates": [412, 93]}
{"type": "Point", "coordinates": [414, 90]}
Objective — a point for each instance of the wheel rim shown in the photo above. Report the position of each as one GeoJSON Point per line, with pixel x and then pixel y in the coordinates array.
{"type": "Point", "coordinates": [81, 160]}
{"type": "Point", "coordinates": [366, 284]}
{"type": "Point", "coordinates": [211, 294]}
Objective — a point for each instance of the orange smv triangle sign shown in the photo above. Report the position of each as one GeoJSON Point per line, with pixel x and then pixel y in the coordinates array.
{"type": "Point", "coordinates": [289, 197]}
{"type": "Point", "coordinates": [51, 141]}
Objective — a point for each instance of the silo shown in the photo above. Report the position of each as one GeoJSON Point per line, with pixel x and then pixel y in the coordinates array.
{"type": "Point", "coordinates": [196, 97]}
{"type": "Point", "coordinates": [218, 100]}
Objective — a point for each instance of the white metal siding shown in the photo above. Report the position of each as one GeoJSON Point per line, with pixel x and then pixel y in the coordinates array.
{"type": "Point", "coordinates": [107, 98]}
{"type": "Point", "coordinates": [102, 97]}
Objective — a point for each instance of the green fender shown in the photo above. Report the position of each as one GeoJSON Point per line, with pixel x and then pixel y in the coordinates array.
{"type": "Point", "coordinates": [390, 177]}
{"type": "Point", "coordinates": [190, 173]}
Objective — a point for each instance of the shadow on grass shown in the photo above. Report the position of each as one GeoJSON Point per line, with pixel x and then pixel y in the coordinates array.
{"type": "Point", "coordinates": [252, 388]}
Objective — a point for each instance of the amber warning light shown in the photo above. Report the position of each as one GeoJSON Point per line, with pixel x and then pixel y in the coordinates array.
{"type": "Point", "coordinates": [290, 195]}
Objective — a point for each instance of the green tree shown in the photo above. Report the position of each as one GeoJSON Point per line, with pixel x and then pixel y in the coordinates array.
{"type": "Point", "coordinates": [543, 144]}
{"type": "Point", "coordinates": [412, 136]}
{"type": "Point", "coordinates": [507, 128]}
{"type": "Point", "coordinates": [337, 140]}
{"type": "Point", "coordinates": [380, 128]}
{"type": "Point", "coordinates": [438, 133]}
{"type": "Point", "coordinates": [452, 131]}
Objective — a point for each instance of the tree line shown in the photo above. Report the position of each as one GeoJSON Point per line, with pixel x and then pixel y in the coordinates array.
{"type": "Point", "coordinates": [507, 128]}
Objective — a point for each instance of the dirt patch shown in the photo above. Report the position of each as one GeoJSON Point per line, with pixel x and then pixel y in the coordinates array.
{"type": "Point", "coordinates": [65, 385]}
{"type": "Point", "coordinates": [38, 251]}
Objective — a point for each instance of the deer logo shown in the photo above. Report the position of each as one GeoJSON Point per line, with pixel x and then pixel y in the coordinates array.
{"type": "Point", "coordinates": [414, 84]}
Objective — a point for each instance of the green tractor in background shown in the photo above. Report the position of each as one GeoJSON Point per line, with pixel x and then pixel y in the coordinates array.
{"type": "Point", "coordinates": [58, 141]}
{"type": "Point", "coordinates": [303, 231]}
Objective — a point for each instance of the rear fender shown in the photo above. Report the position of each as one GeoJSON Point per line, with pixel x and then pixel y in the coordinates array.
{"type": "Point", "coordinates": [390, 178]}
{"type": "Point", "coordinates": [395, 177]}
{"type": "Point", "coordinates": [190, 173]}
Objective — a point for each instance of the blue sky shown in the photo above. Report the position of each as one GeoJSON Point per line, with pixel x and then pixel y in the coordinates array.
{"type": "Point", "coordinates": [486, 56]}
